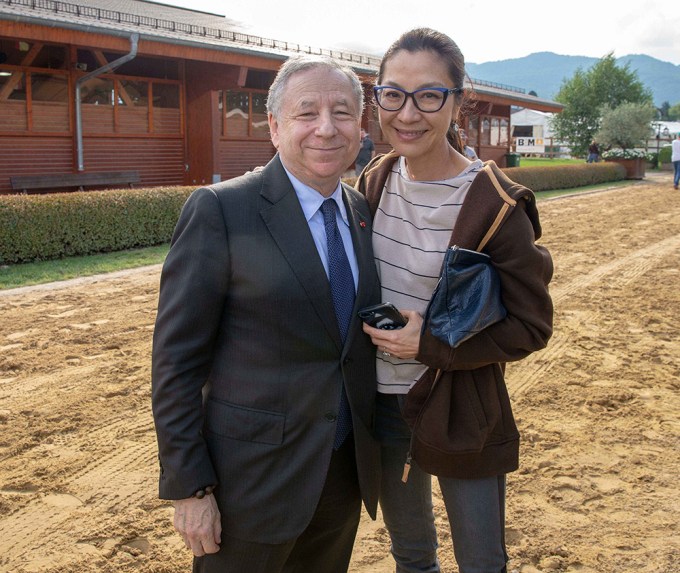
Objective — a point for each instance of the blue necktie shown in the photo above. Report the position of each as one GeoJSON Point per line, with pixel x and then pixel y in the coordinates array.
{"type": "Point", "coordinates": [342, 289]}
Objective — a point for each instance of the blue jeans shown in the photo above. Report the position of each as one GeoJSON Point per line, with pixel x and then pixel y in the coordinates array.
{"type": "Point", "coordinates": [475, 507]}
{"type": "Point", "coordinates": [593, 158]}
{"type": "Point", "coordinates": [676, 176]}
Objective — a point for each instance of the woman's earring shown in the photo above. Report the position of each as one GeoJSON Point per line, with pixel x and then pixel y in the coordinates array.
{"type": "Point", "coordinates": [455, 127]}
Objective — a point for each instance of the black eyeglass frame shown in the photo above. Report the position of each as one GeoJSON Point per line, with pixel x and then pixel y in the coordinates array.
{"type": "Point", "coordinates": [445, 91]}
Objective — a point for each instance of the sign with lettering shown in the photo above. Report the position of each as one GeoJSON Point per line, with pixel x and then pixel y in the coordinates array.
{"type": "Point", "coordinates": [529, 145]}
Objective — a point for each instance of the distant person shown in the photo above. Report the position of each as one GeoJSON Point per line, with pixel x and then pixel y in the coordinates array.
{"type": "Point", "coordinates": [263, 381]}
{"type": "Point", "coordinates": [675, 158]}
{"type": "Point", "coordinates": [469, 152]}
{"type": "Point", "coordinates": [366, 152]}
{"type": "Point", "coordinates": [593, 152]}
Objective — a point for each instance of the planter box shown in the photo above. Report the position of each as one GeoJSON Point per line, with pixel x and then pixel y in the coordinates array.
{"type": "Point", "coordinates": [635, 168]}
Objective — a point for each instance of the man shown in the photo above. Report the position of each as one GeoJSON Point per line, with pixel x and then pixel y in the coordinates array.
{"type": "Point", "coordinates": [675, 158]}
{"type": "Point", "coordinates": [254, 360]}
{"type": "Point", "coordinates": [593, 152]}
{"type": "Point", "coordinates": [366, 152]}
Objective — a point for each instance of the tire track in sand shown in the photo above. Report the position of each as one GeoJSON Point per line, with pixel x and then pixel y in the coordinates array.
{"type": "Point", "coordinates": [616, 273]}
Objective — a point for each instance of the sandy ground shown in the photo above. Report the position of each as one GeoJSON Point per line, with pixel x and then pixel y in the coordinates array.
{"type": "Point", "coordinates": [597, 490]}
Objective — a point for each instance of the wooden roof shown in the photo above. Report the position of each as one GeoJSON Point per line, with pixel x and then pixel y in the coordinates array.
{"type": "Point", "coordinates": [156, 22]}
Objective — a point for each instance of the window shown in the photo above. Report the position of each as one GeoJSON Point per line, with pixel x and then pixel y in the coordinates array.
{"type": "Point", "coordinates": [133, 106]}
{"type": "Point", "coordinates": [37, 88]}
{"type": "Point", "coordinates": [165, 96]}
{"type": "Point", "coordinates": [49, 96]}
{"type": "Point", "coordinates": [493, 131]}
{"type": "Point", "coordinates": [523, 131]}
{"type": "Point", "coordinates": [13, 116]}
{"type": "Point", "coordinates": [97, 91]}
{"type": "Point", "coordinates": [244, 114]}
{"type": "Point", "coordinates": [259, 116]}
{"type": "Point", "coordinates": [130, 105]}
{"type": "Point", "coordinates": [473, 131]}
{"type": "Point", "coordinates": [504, 131]}
{"type": "Point", "coordinates": [166, 108]}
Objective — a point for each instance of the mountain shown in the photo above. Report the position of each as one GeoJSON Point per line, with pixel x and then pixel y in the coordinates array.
{"type": "Point", "coordinates": [544, 73]}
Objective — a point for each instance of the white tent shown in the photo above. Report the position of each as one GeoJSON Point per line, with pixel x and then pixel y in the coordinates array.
{"type": "Point", "coordinates": [532, 134]}
{"type": "Point", "coordinates": [533, 118]}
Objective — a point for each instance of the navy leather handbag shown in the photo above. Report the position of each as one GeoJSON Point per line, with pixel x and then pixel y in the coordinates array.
{"type": "Point", "coordinates": [467, 298]}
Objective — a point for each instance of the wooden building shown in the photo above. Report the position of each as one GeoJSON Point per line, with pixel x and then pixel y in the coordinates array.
{"type": "Point", "coordinates": [172, 95]}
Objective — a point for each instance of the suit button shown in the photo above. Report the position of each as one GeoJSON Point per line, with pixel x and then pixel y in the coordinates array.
{"type": "Point", "coordinates": [330, 417]}
{"type": "Point", "coordinates": [347, 361]}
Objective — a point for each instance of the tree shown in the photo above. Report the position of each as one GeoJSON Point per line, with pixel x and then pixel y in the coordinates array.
{"type": "Point", "coordinates": [674, 112]}
{"type": "Point", "coordinates": [663, 110]}
{"type": "Point", "coordinates": [626, 126]}
{"type": "Point", "coordinates": [586, 93]}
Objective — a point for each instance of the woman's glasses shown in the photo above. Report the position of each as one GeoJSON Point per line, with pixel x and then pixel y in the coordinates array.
{"type": "Point", "coordinates": [427, 100]}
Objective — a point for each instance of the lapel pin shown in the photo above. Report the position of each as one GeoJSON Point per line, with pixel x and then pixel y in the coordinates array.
{"type": "Point", "coordinates": [362, 224]}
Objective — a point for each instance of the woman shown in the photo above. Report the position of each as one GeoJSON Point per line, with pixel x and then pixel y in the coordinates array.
{"type": "Point", "coordinates": [424, 195]}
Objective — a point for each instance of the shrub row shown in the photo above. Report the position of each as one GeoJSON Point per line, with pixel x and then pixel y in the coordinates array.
{"type": "Point", "coordinates": [566, 176]}
{"type": "Point", "coordinates": [665, 154]}
{"type": "Point", "coordinates": [56, 225]}
{"type": "Point", "coordinates": [553, 177]}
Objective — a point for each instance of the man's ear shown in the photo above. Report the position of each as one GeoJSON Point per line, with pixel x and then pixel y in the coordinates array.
{"type": "Point", "coordinates": [273, 129]}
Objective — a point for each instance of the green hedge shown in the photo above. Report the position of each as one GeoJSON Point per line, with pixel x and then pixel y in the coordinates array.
{"type": "Point", "coordinates": [665, 154]}
{"type": "Point", "coordinates": [56, 225]}
{"type": "Point", "coordinates": [566, 176]}
{"type": "Point", "coordinates": [553, 177]}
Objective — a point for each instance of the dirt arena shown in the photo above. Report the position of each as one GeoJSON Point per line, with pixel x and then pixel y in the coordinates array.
{"type": "Point", "coordinates": [599, 411]}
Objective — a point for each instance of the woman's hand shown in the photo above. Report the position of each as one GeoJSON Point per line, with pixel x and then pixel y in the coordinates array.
{"type": "Point", "coordinates": [400, 343]}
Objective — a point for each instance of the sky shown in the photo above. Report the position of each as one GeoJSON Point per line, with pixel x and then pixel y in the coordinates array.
{"type": "Point", "coordinates": [485, 31]}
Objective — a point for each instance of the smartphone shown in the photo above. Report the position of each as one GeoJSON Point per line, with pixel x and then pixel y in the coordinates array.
{"type": "Point", "coordinates": [384, 315]}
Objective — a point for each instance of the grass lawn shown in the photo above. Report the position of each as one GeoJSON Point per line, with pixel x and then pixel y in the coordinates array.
{"type": "Point", "coordinates": [13, 276]}
{"type": "Point", "coordinates": [545, 161]}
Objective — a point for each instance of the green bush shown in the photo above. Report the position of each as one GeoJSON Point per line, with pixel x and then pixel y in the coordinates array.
{"type": "Point", "coordinates": [566, 176]}
{"type": "Point", "coordinates": [665, 154]}
{"type": "Point", "coordinates": [56, 225]}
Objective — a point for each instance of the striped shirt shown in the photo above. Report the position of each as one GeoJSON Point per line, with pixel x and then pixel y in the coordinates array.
{"type": "Point", "coordinates": [411, 232]}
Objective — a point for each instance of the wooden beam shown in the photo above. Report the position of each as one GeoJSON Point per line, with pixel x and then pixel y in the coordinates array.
{"type": "Point", "coordinates": [10, 85]}
{"type": "Point", "coordinates": [120, 91]}
{"type": "Point", "coordinates": [32, 54]}
{"type": "Point", "coordinates": [242, 76]}
{"type": "Point", "coordinates": [15, 78]}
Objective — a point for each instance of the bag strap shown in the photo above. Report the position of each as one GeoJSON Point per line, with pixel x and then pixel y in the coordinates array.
{"type": "Point", "coordinates": [507, 204]}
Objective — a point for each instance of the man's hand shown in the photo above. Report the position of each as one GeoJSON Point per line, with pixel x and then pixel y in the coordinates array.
{"type": "Point", "coordinates": [198, 522]}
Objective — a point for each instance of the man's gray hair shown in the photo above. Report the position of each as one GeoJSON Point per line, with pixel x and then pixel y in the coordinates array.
{"type": "Point", "coordinates": [302, 63]}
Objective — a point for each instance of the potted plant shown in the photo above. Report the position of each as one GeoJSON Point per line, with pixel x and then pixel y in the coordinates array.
{"type": "Point", "coordinates": [634, 160]}
{"type": "Point", "coordinates": [623, 131]}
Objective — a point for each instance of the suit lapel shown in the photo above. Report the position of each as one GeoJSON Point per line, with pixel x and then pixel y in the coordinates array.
{"type": "Point", "coordinates": [288, 227]}
{"type": "Point", "coordinates": [360, 229]}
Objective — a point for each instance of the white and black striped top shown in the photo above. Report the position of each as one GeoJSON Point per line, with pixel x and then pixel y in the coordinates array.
{"type": "Point", "coordinates": [411, 232]}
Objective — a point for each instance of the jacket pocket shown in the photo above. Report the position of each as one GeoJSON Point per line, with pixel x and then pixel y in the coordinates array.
{"type": "Point", "coordinates": [244, 424]}
{"type": "Point", "coordinates": [453, 420]}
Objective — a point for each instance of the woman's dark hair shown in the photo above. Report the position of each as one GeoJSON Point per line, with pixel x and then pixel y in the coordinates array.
{"type": "Point", "coordinates": [427, 39]}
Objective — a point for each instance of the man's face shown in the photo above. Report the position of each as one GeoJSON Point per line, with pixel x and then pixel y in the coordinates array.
{"type": "Point", "coordinates": [317, 131]}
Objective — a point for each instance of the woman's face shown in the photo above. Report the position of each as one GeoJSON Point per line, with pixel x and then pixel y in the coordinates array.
{"type": "Point", "coordinates": [412, 133]}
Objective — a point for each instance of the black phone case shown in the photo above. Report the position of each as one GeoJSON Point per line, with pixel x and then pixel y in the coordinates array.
{"type": "Point", "coordinates": [385, 316]}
